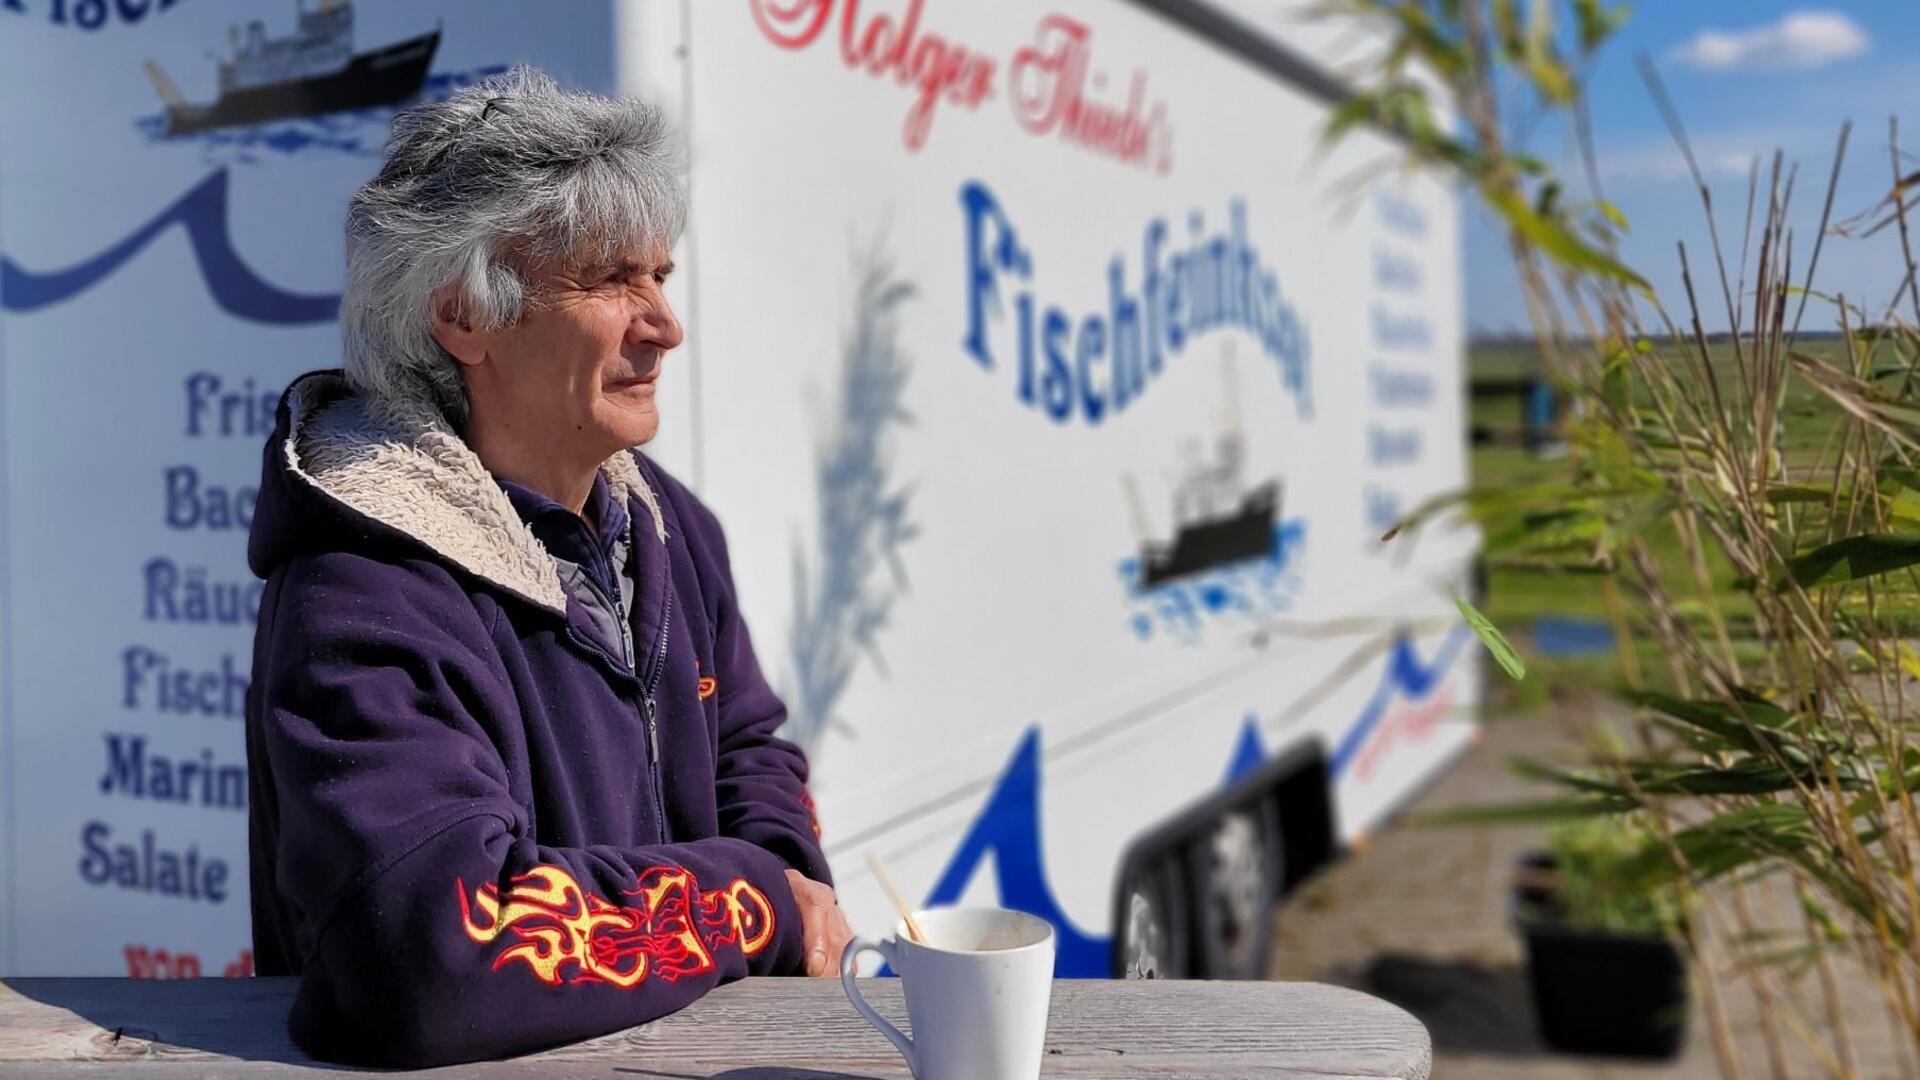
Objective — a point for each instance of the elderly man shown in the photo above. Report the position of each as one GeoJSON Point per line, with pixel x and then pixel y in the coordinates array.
{"type": "Point", "coordinates": [515, 772]}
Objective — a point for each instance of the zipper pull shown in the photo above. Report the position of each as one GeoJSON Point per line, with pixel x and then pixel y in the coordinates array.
{"type": "Point", "coordinates": [653, 773]}
{"type": "Point", "coordinates": [653, 733]}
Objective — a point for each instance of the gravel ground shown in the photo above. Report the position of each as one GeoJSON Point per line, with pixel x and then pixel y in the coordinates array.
{"type": "Point", "coordinates": [1418, 916]}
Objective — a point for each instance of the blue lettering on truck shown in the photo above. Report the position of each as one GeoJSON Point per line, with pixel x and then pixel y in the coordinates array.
{"type": "Point", "coordinates": [1094, 365]}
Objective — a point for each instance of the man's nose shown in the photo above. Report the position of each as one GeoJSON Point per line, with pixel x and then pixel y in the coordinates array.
{"type": "Point", "coordinates": [657, 325]}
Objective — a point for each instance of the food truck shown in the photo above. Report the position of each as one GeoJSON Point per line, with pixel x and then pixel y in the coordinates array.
{"type": "Point", "coordinates": [1054, 381]}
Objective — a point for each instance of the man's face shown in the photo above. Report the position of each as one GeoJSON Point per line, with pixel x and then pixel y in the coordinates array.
{"type": "Point", "coordinates": [578, 370]}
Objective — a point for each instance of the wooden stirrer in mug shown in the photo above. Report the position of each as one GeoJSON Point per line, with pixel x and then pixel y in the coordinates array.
{"type": "Point", "coordinates": [879, 871]}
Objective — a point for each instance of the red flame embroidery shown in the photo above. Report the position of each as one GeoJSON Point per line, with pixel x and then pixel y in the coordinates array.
{"type": "Point", "coordinates": [671, 932]}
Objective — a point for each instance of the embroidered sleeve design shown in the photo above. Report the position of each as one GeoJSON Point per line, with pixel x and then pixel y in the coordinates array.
{"type": "Point", "coordinates": [566, 934]}
{"type": "Point", "coordinates": [813, 812]}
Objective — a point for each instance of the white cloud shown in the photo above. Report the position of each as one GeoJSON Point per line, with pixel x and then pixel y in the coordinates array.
{"type": "Point", "coordinates": [1800, 39]}
{"type": "Point", "coordinates": [1656, 158]}
{"type": "Point", "coordinates": [1722, 154]}
{"type": "Point", "coordinates": [1660, 160]}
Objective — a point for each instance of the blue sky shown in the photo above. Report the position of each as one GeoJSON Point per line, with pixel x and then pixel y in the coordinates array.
{"type": "Point", "coordinates": [1748, 77]}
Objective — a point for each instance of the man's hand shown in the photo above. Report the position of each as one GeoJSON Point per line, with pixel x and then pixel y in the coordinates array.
{"type": "Point", "coordinates": [823, 927]}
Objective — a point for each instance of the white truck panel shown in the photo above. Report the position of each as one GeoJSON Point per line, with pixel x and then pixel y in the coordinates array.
{"type": "Point", "coordinates": [1003, 719]}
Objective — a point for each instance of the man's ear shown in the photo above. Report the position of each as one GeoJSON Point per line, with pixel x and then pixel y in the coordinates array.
{"type": "Point", "coordinates": [454, 331]}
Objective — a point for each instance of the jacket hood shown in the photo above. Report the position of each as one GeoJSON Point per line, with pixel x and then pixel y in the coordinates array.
{"type": "Point", "coordinates": [345, 473]}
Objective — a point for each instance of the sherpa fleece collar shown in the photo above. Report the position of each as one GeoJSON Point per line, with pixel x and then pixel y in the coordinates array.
{"type": "Point", "coordinates": [404, 466]}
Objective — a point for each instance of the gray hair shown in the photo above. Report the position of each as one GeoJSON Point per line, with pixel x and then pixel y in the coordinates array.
{"type": "Point", "coordinates": [474, 188]}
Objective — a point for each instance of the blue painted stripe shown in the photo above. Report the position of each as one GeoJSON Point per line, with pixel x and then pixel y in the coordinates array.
{"type": "Point", "coordinates": [1405, 674]}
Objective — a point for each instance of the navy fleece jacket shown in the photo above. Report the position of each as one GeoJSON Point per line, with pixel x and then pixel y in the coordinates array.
{"type": "Point", "coordinates": [476, 829]}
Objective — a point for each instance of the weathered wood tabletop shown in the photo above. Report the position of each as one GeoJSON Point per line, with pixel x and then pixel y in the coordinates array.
{"type": "Point", "coordinates": [758, 1029]}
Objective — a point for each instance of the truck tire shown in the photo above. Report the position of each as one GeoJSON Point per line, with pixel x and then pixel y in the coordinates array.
{"type": "Point", "coordinates": [1152, 938]}
{"type": "Point", "coordinates": [1236, 877]}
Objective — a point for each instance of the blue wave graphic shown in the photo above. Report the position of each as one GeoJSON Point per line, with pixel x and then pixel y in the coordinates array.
{"type": "Point", "coordinates": [349, 132]}
{"type": "Point", "coordinates": [354, 134]}
{"type": "Point", "coordinates": [202, 212]}
{"type": "Point", "coordinates": [1405, 674]}
{"type": "Point", "coordinates": [1254, 590]}
{"type": "Point", "coordinates": [1249, 752]}
{"type": "Point", "coordinates": [1006, 832]}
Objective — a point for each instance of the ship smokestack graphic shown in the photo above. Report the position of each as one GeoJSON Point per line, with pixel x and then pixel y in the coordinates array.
{"type": "Point", "coordinates": [1217, 519]}
{"type": "Point", "coordinates": [312, 70]}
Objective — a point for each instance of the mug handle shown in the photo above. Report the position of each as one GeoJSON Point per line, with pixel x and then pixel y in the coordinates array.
{"type": "Point", "coordinates": [885, 949]}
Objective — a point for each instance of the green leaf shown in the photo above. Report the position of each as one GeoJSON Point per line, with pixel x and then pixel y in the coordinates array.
{"type": "Point", "coordinates": [1349, 114]}
{"type": "Point", "coordinates": [1420, 36]}
{"type": "Point", "coordinates": [1719, 717]}
{"type": "Point", "coordinates": [1597, 24]}
{"type": "Point", "coordinates": [1906, 505]}
{"type": "Point", "coordinates": [1760, 816]}
{"type": "Point", "coordinates": [1548, 531]}
{"type": "Point", "coordinates": [1551, 774]}
{"type": "Point", "coordinates": [1750, 776]}
{"type": "Point", "coordinates": [1491, 637]}
{"type": "Point", "coordinates": [1726, 842]}
{"type": "Point", "coordinates": [1899, 489]}
{"type": "Point", "coordinates": [1546, 202]}
{"type": "Point", "coordinates": [1694, 738]}
{"type": "Point", "coordinates": [1798, 493]}
{"type": "Point", "coordinates": [1897, 416]}
{"type": "Point", "coordinates": [1516, 813]}
{"type": "Point", "coordinates": [1616, 382]}
{"type": "Point", "coordinates": [1889, 369]}
{"type": "Point", "coordinates": [1891, 474]}
{"type": "Point", "coordinates": [1655, 436]}
{"type": "Point", "coordinates": [1528, 164]}
{"type": "Point", "coordinates": [1506, 28]}
{"type": "Point", "coordinates": [1489, 501]}
{"type": "Point", "coordinates": [1556, 242]}
{"type": "Point", "coordinates": [1550, 77]}
{"type": "Point", "coordinates": [1854, 558]}
{"type": "Point", "coordinates": [1619, 219]}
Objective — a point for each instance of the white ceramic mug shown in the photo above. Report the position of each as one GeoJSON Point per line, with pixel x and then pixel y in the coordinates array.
{"type": "Point", "coordinates": [977, 992]}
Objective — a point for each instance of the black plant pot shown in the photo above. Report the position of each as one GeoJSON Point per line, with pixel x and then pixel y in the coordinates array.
{"type": "Point", "coordinates": [1598, 991]}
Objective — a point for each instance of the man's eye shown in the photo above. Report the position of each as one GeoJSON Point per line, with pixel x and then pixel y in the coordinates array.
{"type": "Point", "coordinates": [633, 274]}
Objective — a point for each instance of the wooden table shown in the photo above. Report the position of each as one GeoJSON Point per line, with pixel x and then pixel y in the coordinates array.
{"type": "Point", "coordinates": [757, 1029]}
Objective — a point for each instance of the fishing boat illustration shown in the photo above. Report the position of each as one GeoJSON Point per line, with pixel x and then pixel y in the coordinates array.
{"type": "Point", "coordinates": [312, 70]}
{"type": "Point", "coordinates": [1217, 518]}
